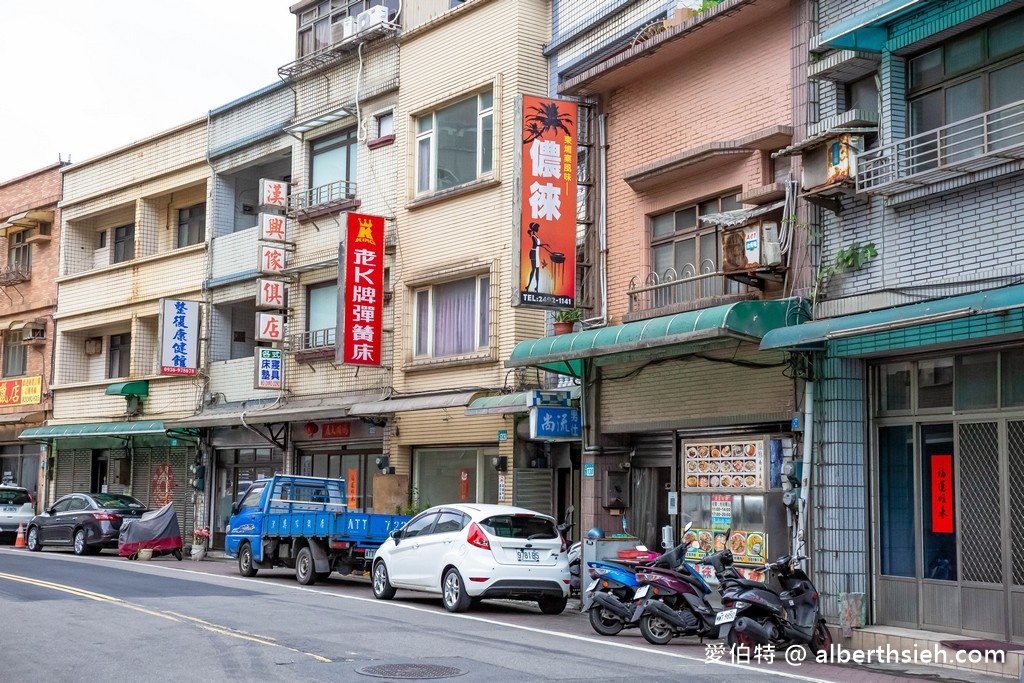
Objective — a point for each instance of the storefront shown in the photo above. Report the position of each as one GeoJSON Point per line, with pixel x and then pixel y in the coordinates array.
{"type": "Point", "coordinates": [345, 449]}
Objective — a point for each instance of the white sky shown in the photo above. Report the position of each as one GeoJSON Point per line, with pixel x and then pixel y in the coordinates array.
{"type": "Point", "coordinates": [83, 77]}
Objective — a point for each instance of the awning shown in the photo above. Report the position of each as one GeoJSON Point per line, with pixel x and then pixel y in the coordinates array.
{"type": "Point", "coordinates": [35, 324]}
{"type": "Point", "coordinates": [256, 415]}
{"type": "Point", "coordinates": [26, 219]}
{"type": "Point", "coordinates": [401, 404]}
{"type": "Point", "coordinates": [956, 318]}
{"type": "Point", "coordinates": [867, 30]}
{"type": "Point", "coordinates": [658, 337]}
{"type": "Point", "coordinates": [517, 402]}
{"type": "Point", "coordinates": [727, 219]}
{"type": "Point", "coordinates": [94, 429]}
{"type": "Point", "coordinates": [309, 124]}
{"type": "Point", "coordinates": [139, 387]}
{"type": "Point", "coordinates": [16, 418]}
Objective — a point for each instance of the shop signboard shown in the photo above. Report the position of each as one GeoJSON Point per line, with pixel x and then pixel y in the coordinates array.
{"type": "Point", "coordinates": [555, 423]}
{"type": "Point", "coordinates": [464, 485]}
{"type": "Point", "coordinates": [179, 337]}
{"type": "Point", "coordinates": [268, 368]}
{"type": "Point", "coordinates": [21, 391]}
{"type": "Point", "coordinates": [273, 193]}
{"type": "Point", "coordinates": [362, 302]}
{"type": "Point", "coordinates": [273, 228]}
{"type": "Point", "coordinates": [734, 465]}
{"type": "Point", "coordinates": [353, 489]}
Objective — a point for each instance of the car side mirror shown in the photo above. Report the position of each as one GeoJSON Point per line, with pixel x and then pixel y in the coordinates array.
{"type": "Point", "coordinates": [396, 535]}
{"type": "Point", "coordinates": [50, 511]}
{"type": "Point", "coordinates": [234, 507]}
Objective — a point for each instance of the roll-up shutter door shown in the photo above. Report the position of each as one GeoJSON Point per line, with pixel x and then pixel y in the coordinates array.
{"type": "Point", "coordinates": [73, 472]}
{"type": "Point", "coordinates": [532, 489]}
{"type": "Point", "coordinates": [654, 449]}
{"type": "Point", "coordinates": [148, 462]}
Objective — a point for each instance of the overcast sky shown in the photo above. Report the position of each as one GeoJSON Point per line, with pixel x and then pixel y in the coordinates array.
{"type": "Point", "coordinates": [82, 77]}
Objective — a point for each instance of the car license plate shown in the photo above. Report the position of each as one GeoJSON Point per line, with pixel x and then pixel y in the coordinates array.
{"type": "Point", "coordinates": [10, 509]}
{"type": "Point", "coordinates": [593, 586]}
{"type": "Point", "coordinates": [642, 592]}
{"type": "Point", "coordinates": [370, 553]}
{"type": "Point", "coordinates": [725, 616]}
{"type": "Point", "coordinates": [527, 556]}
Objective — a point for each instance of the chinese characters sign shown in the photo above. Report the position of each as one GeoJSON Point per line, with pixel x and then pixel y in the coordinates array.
{"type": "Point", "coordinates": [362, 303]}
{"type": "Point", "coordinates": [179, 337]}
{"type": "Point", "coordinates": [270, 293]}
{"type": "Point", "coordinates": [268, 368]}
{"type": "Point", "coordinates": [269, 327]}
{"type": "Point", "coordinates": [547, 220]}
{"type": "Point", "coordinates": [942, 494]}
{"type": "Point", "coordinates": [273, 193]}
{"type": "Point", "coordinates": [272, 259]}
{"type": "Point", "coordinates": [22, 391]}
{"type": "Point", "coordinates": [272, 228]}
{"type": "Point", "coordinates": [555, 424]}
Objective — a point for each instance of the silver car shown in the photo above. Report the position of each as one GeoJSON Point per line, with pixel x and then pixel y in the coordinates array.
{"type": "Point", "coordinates": [15, 508]}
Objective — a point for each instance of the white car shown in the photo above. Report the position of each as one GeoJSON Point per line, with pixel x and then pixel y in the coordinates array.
{"type": "Point", "coordinates": [468, 552]}
{"type": "Point", "coordinates": [15, 509]}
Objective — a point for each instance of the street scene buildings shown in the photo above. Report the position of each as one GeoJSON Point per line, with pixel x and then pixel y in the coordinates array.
{"type": "Point", "coordinates": [795, 287]}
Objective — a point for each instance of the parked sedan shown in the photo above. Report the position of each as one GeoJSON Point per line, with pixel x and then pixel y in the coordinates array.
{"type": "Point", "coordinates": [15, 509]}
{"type": "Point", "coordinates": [86, 521]}
{"type": "Point", "coordinates": [468, 552]}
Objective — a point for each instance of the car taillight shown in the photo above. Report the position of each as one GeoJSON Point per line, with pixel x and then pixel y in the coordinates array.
{"type": "Point", "coordinates": [477, 537]}
{"type": "Point", "coordinates": [105, 516]}
{"type": "Point", "coordinates": [565, 547]}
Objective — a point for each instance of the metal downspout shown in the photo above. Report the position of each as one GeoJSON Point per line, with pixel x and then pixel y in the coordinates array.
{"type": "Point", "coordinates": [800, 544]}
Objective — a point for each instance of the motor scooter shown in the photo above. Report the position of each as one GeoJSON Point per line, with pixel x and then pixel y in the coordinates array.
{"type": "Point", "coordinates": [754, 613]}
{"type": "Point", "coordinates": [575, 552]}
{"type": "Point", "coordinates": [675, 602]}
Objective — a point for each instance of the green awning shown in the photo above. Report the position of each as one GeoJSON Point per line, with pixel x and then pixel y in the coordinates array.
{"type": "Point", "coordinates": [868, 30]}
{"type": "Point", "coordinates": [954, 319]}
{"type": "Point", "coordinates": [517, 402]}
{"type": "Point", "coordinates": [665, 336]}
{"type": "Point", "coordinates": [94, 429]}
{"type": "Point", "coordinates": [139, 387]}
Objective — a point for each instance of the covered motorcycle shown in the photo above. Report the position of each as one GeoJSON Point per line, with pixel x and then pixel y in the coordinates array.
{"type": "Point", "coordinates": [157, 530]}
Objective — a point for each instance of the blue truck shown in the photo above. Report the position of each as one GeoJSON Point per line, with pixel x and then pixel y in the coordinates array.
{"type": "Point", "coordinates": [304, 523]}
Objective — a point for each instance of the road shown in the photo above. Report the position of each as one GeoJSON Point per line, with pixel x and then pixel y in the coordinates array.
{"type": "Point", "coordinates": [104, 618]}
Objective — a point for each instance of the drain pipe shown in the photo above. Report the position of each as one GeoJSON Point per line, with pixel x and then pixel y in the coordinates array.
{"type": "Point", "coordinates": [802, 530]}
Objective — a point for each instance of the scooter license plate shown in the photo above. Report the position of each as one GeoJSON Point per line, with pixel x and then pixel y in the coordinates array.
{"type": "Point", "coordinates": [725, 616]}
{"type": "Point", "coordinates": [642, 592]}
{"type": "Point", "coordinates": [593, 586]}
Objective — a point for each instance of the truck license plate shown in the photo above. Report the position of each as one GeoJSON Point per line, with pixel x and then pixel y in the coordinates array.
{"type": "Point", "coordinates": [725, 616]}
{"type": "Point", "coordinates": [527, 556]}
{"type": "Point", "coordinates": [370, 553]}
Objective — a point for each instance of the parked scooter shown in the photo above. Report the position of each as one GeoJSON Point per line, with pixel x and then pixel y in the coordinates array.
{"type": "Point", "coordinates": [675, 602]}
{"type": "Point", "coordinates": [754, 613]}
{"type": "Point", "coordinates": [575, 552]}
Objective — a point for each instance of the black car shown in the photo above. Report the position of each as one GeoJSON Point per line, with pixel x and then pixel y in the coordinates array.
{"type": "Point", "coordinates": [86, 521]}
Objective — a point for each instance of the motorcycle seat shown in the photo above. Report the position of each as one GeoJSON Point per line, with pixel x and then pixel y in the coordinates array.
{"type": "Point", "coordinates": [743, 583]}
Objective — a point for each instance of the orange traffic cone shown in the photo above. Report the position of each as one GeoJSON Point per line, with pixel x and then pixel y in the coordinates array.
{"type": "Point", "coordinates": [19, 542]}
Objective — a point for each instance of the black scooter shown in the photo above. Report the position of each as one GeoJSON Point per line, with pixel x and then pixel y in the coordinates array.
{"type": "Point", "coordinates": [754, 613]}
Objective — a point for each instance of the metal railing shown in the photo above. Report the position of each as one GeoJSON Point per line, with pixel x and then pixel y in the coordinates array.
{"type": "Point", "coordinates": [15, 274]}
{"type": "Point", "coordinates": [988, 139]}
{"type": "Point", "coordinates": [322, 196]}
{"type": "Point", "coordinates": [313, 340]}
{"type": "Point", "coordinates": [674, 289]}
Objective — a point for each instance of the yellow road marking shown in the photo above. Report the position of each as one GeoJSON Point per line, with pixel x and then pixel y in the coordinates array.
{"type": "Point", "coordinates": [172, 616]}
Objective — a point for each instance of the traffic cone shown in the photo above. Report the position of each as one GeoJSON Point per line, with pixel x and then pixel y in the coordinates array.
{"type": "Point", "coordinates": [19, 542]}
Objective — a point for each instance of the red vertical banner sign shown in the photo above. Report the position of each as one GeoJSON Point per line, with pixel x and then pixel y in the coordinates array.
{"type": "Point", "coordinates": [464, 485]}
{"type": "Point", "coordinates": [353, 489]}
{"type": "Point", "coordinates": [547, 220]}
{"type": "Point", "coordinates": [942, 494]}
{"type": "Point", "coordinates": [363, 267]}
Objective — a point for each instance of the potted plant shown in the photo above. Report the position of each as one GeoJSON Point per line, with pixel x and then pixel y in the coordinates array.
{"type": "Point", "coordinates": [201, 537]}
{"type": "Point", "coordinates": [565, 319]}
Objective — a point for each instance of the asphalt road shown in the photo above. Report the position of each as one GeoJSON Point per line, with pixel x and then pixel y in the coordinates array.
{"type": "Point", "coordinates": [67, 618]}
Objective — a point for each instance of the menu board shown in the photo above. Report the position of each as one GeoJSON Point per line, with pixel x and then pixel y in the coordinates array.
{"type": "Point", "coordinates": [748, 547]}
{"type": "Point", "coordinates": [723, 465]}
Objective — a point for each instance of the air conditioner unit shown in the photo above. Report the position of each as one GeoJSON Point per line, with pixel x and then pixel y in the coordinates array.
{"type": "Point", "coordinates": [832, 164]}
{"type": "Point", "coordinates": [372, 18]}
{"type": "Point", "coordinates": [751, 247]}
{"type": "Point", "coordinates": [40, 233]}
{"type": "Point", "coordinates": [94, 346]}
{"type": "Point", "coordinates": [343, 30]}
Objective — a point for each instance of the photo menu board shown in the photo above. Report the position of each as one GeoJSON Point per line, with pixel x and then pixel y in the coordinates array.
{"type": "Point", "coordinates": [732, 465]}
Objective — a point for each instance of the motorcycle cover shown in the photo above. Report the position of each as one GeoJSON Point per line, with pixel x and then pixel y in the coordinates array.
{"type": "Point", "coordinates": [156, 529]}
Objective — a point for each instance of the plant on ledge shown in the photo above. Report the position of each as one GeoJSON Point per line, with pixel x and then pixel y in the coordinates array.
{"type": "Point", "coordinates": [568, 315]}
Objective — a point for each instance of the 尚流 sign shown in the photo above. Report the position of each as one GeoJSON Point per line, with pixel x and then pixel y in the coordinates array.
{"type": "Point", "coordinates": [555, 423]}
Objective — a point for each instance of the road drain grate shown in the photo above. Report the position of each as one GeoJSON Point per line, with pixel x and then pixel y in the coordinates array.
{"type": "Point", "coordinates": [410, 671]}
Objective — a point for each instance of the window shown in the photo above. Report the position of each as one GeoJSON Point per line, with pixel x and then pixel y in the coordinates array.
{"type": "Point", "coordinates": [454, 144]}
{"type": "Point", "coordinates": [119, 355]}
{"type": "Point", "coordinates": [333, 174]}
{"type": "Point", "coordinates": [124, 243]}
{"type": "Point", "coordinates": [454, 475]}
{"type": "Point", "coordinates": [315, 22]}
{"type": "Point", "coordinates": [192, 225]}
{"type": "Point", "coordinates": [453, 318]}
{"type": "Point", "coordinates": [15, 354]}
{"type": "Point", "coordinates": [967, 75]}
{"type": "Point", "coordinates": [386, 124]}
{"type": "Point", "coordinates": [19, 252]}
{"type": "Point", "coordinates": [321, 314]}
{"type": "Point", "coordinates": [684, 247]}
{"type": "Point", "coordinates": [101, 240]}
{"type": "Point", "coordinates": [419, 526]}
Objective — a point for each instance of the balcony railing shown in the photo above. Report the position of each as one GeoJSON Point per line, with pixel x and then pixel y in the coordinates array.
{"type": "Point", "coordinates": [312, 340]}
{"type": "Point", "coordinates": [680, 291]}
{"type": "Point", "coordinates": [989, 139]}
{"type": "Point", "coordinates": [15, 274]}
{"type": "Point", "coordinates": [321, 197]}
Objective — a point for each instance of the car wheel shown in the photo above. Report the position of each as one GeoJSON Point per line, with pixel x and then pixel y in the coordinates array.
{"type": "Point", "coordinates": [655, 630]}
{"type": "Point", "coordinates": [604, 622]}
{"type": "Point", "coordinates": [454, 592]}
{"type": "Point", "coordinates": [81, 547]}
{"type": "Point", "coordinates": [552, 605]}
{"type": "Point", "coordinates": [304, 572]}
{"type": "Point", "coordinates": [33, 539]}
{"type": "Point", "coordinates": [245, 565]}
{"type": "Point", "coordinates": [382, 588]}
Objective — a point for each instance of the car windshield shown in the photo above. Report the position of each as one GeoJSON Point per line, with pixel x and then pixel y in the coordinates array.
{"type": "Point", "coordinates": [520, 526]}
{"type": "Point", "coordinates": [14, 497]}
{"type": "Point", "coordinates": [117, 502]}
